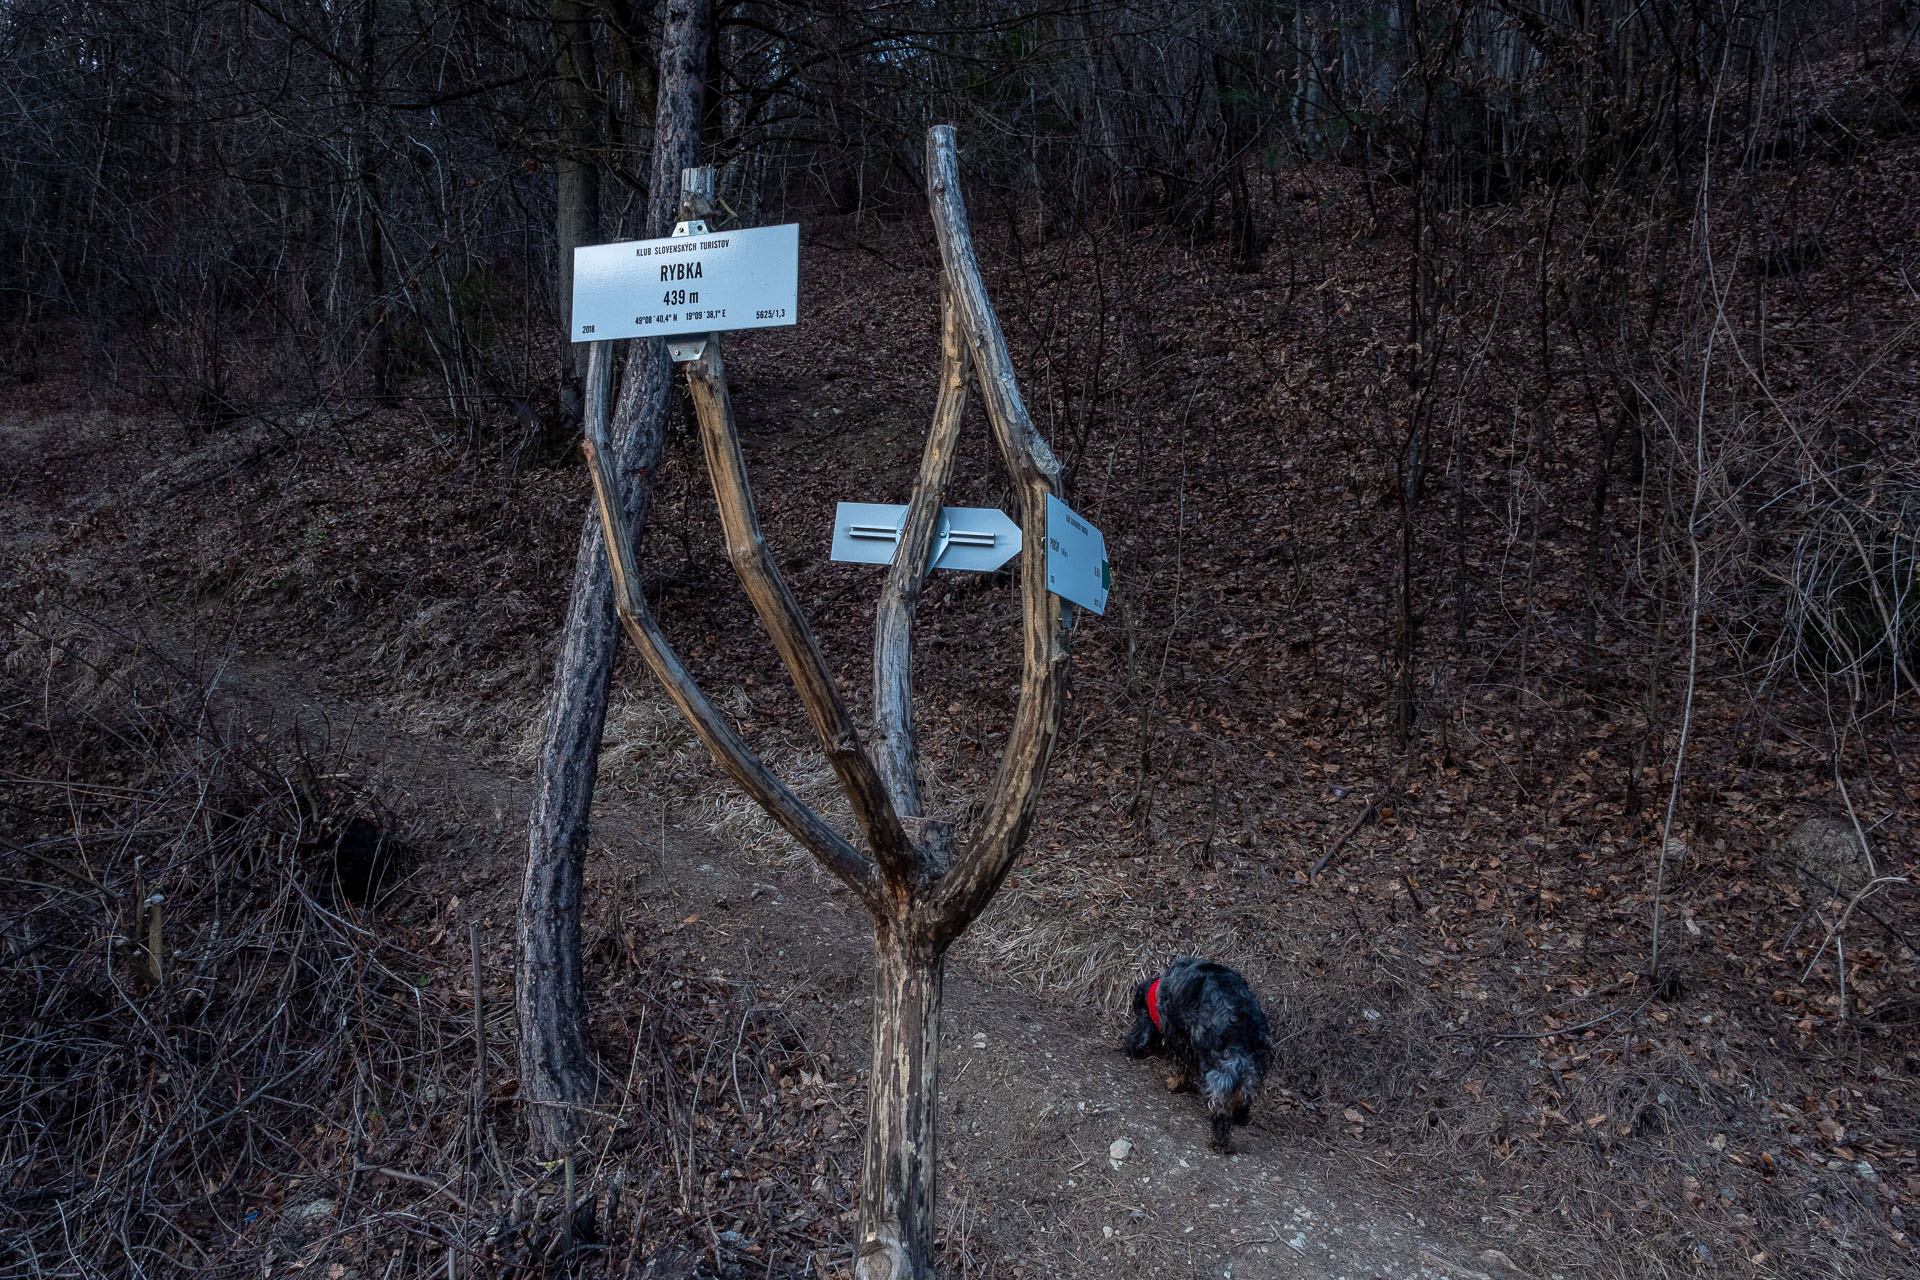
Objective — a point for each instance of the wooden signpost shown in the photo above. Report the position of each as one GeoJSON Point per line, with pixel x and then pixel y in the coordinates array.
{"type": "Point", "coordinates": [693, 281]}
{"type": "Point", "coordinates": [920, 882]}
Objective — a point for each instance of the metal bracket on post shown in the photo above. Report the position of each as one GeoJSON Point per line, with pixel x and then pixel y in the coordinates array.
{"type": "Point", "coordinates": [688, 347]}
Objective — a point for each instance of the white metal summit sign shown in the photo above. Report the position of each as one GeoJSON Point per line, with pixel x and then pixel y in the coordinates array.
{"type": "Point", "coordinates": [700, 283]}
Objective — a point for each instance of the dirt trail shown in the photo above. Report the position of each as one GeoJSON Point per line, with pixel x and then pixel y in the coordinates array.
{"type": "Point", "coordinates": [1035, 1094]}
{"type": "Point", "coordinates": [1034, 1098]}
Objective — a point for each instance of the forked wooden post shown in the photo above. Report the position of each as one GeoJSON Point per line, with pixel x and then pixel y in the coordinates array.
{"type": "Point", "coordinates": [921, 889]}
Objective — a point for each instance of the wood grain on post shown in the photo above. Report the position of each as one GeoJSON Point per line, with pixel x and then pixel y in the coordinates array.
{"type": "Point", "coordinates": [900, 1172]}
{"type": "Point", "coordinates": [787, 626]}
{"type": "Point", "coordinates": [963, 892]}
{"type": "Point", "coordinates": [896, 752]}
{"type": "Point", "coordinates": [733, 754]}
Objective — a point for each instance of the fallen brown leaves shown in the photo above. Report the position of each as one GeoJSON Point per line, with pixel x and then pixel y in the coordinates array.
{"type": "Point", "coordinates": [1469, 976]}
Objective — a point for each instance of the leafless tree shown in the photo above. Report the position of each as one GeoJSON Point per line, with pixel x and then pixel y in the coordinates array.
{"type": "Point", "coordinates": [921, 885]}
{"type": "Point", "coordinates": [556, 1066]}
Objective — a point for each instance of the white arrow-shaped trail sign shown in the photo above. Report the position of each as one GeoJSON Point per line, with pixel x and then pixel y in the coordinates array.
{"type": "Point", "coordinates": [977, 539]}
{"type": "Point", "coordinates": [980, 540]}
{"type": "Point", "coordinates": [699, 282]}
{"type": "Point", "coordinates": [1077, 567]}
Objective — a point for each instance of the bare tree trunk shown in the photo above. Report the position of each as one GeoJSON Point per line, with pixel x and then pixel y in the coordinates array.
{"type": "Point", "coordinates": [897, 1194]}
{"type": "Point", "coordinates": [556, 1069]}
{"type": "Point", "coordinates": [373, 245]}
{"type": "Point", "coordinates": [576, 213]}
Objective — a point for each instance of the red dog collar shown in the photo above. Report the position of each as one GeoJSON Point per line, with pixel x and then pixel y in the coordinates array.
{"type": "Point", "coordinates": [1153, 1003]}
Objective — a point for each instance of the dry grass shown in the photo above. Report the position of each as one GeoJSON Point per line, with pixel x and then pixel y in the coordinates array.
{"type": "Point", "coordinates": [230, 1046]}
{"type": "Point", "coordinates": [645, 746]}
{"type": "Point", "coordinates": [729, 815]}
{"type": "Point", "coordinates": [193, 997]}
{"type": "Point", "coordinates": [647, 751]}
{"type": "Point", "coordinates": [1049, 930]}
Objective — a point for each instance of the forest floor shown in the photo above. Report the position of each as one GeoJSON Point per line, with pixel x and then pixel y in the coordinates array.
{"type": "Point", "coordinates": [1479, 1071]}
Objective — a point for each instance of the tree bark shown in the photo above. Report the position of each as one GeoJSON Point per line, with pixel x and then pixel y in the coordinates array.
{"type": "Point", "coordinates": [576, 186]}
{"type": "Point", "coordinates": [897, 1197]}
{"type": "Point", "coordinates": [896, 753]}
{"type": "Point", "coordinates": [556, 1068]}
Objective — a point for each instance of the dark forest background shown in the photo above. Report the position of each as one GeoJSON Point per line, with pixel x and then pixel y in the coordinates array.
{"type": "Point", "coordinates": [259, 209]}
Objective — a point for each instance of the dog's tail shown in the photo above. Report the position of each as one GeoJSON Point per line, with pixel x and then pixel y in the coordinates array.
{"type": "Point", "coordinates": [1230, 1085]}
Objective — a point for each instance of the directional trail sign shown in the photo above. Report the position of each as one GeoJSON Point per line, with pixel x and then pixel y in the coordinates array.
{"type": "Point", "coordinates": [977, 539]}
{"type": "Point", "coordinates": [1077, 567]}
{"type": "Point", "coordinates": [705, 282]}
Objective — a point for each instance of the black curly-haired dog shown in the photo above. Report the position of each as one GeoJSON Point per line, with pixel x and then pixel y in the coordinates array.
{"type": "Point", "coordinates": [1205, 1018]}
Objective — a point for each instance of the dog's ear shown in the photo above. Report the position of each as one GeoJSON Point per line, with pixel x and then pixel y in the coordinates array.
{"type": "Point", "coordinates": [1140, 995]}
